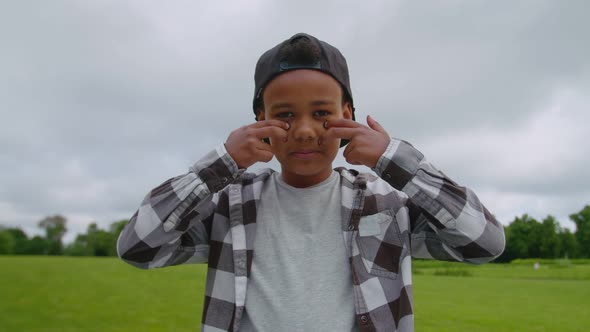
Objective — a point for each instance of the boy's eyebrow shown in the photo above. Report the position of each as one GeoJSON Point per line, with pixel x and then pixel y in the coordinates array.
{"type": "Point", "coordinates": [280, 105]}
{"type": "Point", "coordinates": [322, 103]}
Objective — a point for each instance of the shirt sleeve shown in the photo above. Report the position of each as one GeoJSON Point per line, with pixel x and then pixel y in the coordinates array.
{"type": "Point", "coordinates": [447, 221]}
{"type": "Point", "coordinates": [172, 224]}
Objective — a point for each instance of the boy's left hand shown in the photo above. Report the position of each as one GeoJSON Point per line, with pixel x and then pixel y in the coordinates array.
{"type": "Point", "coordinates": [367, 143]}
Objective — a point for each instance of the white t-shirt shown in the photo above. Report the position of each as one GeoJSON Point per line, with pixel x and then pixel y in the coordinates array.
{"type": "Point", "coordinates": [300, 277]}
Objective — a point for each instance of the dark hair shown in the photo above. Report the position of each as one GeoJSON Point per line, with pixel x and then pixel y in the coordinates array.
{"type": "Point", "coordinates": [302, 51]}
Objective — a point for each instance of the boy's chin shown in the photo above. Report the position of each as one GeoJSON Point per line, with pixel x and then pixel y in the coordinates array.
{"type": "Point", "coordinates": [306, 168]}
{"type": "Point", "coordinates": [307, 163]}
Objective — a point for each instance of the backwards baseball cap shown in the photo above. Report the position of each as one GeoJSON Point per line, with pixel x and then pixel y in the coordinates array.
{"type": "Point", "coordinates": [273, 63]}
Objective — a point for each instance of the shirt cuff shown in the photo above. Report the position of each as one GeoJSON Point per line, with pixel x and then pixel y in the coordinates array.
{"type": "Point", "coordinates": [399, 163]}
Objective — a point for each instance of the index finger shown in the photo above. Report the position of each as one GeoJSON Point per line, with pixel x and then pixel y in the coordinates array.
{"type": "Point", "coordinates": [341, 132]}
{"type": "Point", "coordinates": [342, 123]}
{"type": "Point", "coordinates": [272, 122]}
{"type": "Point", "coordinates": [269, 131]}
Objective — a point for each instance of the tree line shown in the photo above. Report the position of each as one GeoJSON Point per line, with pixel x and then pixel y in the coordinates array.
{"type": "Point", "coordinates": [95, 242]}
{"type": "Point", "coordinates": [526, 237]}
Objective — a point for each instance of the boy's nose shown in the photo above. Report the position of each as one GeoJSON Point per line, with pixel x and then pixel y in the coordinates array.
{"type": "Point", "coordinates": [304, 129]}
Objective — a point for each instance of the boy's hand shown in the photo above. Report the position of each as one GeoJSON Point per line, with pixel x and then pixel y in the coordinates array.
{"type": "Point", "coordinates": [367, 144]}
{"type": "Point", "coordinates": [245, 144]}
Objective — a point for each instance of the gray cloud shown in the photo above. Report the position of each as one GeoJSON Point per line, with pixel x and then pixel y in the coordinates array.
{"type": "Point", "coordinates": [102, 101]}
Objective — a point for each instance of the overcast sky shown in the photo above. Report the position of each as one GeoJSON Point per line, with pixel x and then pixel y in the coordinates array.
{"type": "Point", "coordinates": [100, 101]}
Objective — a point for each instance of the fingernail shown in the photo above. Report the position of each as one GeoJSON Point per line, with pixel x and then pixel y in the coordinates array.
{"type": "Point", "coordinates": [285, 139]}
{"type": "Point", "coordinates": [326, 124]}
{"type": "Point", "coordinates": [288, 125]}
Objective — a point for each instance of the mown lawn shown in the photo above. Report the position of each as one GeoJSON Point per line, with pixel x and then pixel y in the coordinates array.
{"type": "Point", "coordinates": [105, 294]}
{"type": "Point", "coordinates": [97, 294]}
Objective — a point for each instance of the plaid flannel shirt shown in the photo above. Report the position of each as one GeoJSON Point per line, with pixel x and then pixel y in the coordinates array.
{"type": "Point", "coordinates": [410, 210]}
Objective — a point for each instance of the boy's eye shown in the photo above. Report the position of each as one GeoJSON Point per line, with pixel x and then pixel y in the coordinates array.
{"type": "Point", "coordinates": [321, 113]}
{"type": "Point", "coordinates": [284, 115]}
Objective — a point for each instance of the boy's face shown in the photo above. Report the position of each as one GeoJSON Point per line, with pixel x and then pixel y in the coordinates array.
{"type": "Point", "coordinates": [306, 99]}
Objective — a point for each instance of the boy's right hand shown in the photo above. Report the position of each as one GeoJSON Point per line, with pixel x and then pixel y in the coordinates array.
{"type": "Point", "coordinates": [245, 144]}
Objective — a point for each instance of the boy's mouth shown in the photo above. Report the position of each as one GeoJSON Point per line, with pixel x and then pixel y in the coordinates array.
{"type": "Point", "coordinates": [305, 153]}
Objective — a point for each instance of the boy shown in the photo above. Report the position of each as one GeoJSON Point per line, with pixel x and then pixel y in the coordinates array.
{"type": "Point", "coordinates": [309, 248]}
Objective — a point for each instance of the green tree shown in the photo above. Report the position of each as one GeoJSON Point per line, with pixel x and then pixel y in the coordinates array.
{"type": "Point", "coordinates": [38, 246]}
{"type": "Point", "coordinates": [582, 221]}
{"type": "Point", "coordinates": [528, 238]}
{"type": "Point", "coordinates": [506, 255]}
{"type": "Point", "coordinates": [568, 245]}
{"type": "Point", "coordinates": [527, 233]}
{"type": "Point", "coordinates": [55, 228]}
{"type": "Point", "coordinates": [7, 242]}
{"type": "Point", "coordinates": [549, 247]}
{"type": "Point", "coordinates": [517, 239]}
{"type": "Point", "coordinates": [21, 240]}
{"type": "Point", "coordinates": [99, 241]}
{"type": "Point", "coordinates": [95, 242]}
{"type": "Point", "coordinates": [79, 247]}
{"type": "Point", "coordinates": [535, 238]}
{"type": "Point", "coordinates": [115, 229]}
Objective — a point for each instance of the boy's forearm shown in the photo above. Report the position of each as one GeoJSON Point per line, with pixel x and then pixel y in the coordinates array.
{"type": "Point", "coordinates": [167, 228]}
{"type": "Point", "coordinates": [448, 221]}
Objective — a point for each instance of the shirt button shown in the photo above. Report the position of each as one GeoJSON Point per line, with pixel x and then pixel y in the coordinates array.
{"type": "Point", "coordinates": [350, 227]}
{"type": "Point", "coordinates": [364, 319]}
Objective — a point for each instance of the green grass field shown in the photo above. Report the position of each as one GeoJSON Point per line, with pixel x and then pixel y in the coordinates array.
{"type": "Point", "coordinates": [105, 294]}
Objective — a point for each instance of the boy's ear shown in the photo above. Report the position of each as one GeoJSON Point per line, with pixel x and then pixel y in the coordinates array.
{"type": "Point", "coordinates": [260, 115]}
{"type": "Point", "coordinates": [347, 111]}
